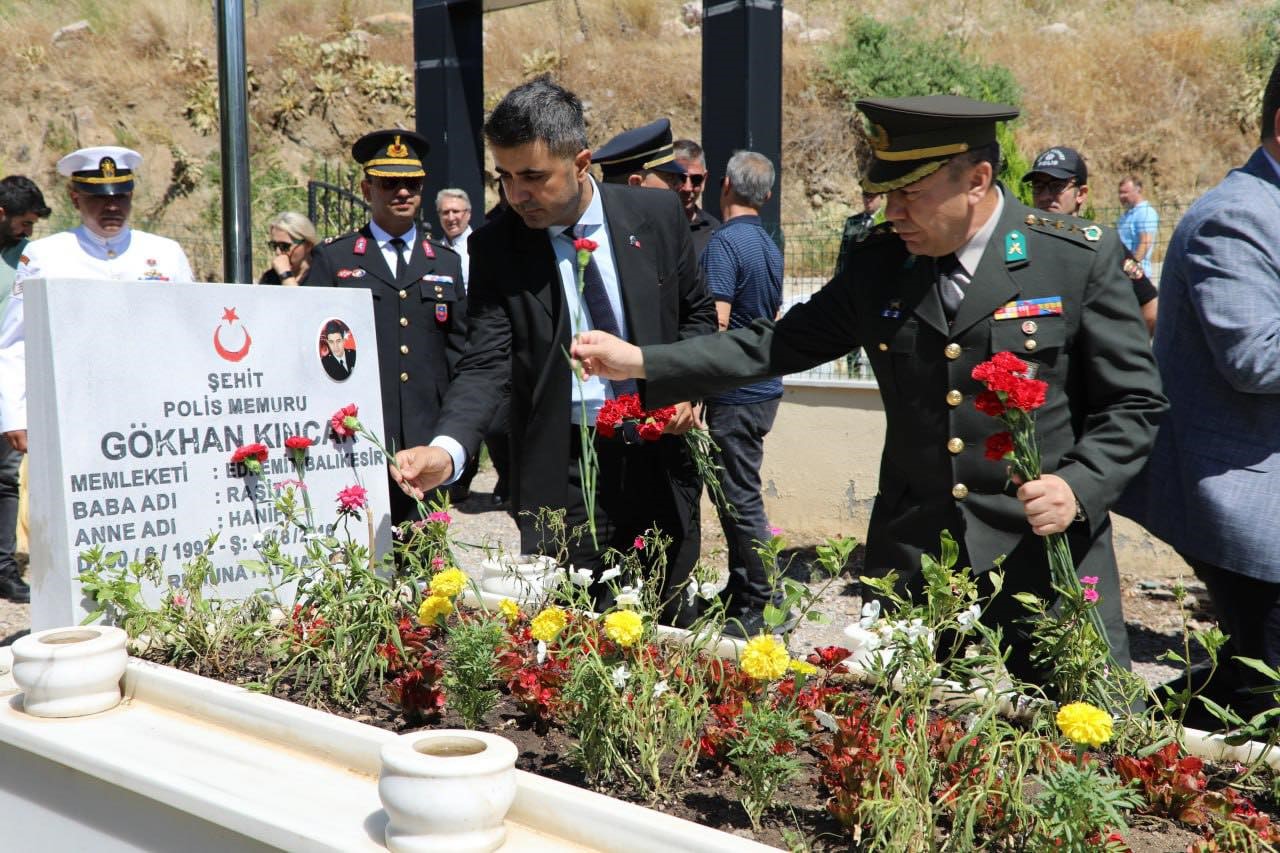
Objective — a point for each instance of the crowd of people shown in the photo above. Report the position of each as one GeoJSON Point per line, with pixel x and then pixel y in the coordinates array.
{"type": "Point", "coordinates": [942, 269]}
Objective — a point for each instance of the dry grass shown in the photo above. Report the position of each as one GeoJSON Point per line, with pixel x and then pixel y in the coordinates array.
{"type": "Point", "coordinates": [1146, 86]}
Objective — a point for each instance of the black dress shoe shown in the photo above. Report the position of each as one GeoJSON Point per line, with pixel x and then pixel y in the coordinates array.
{"type": "Point", "coordinates": [498, 500]}
{"type": "Point", "coordinates": [744, 626]}
{"type": "Point", "coordinates": [15, 589]}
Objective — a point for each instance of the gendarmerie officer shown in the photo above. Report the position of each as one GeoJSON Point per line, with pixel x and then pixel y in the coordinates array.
{"type": "Point", "coordinates": [419, 305]}
{"type": "Point", "coordinates": [960, 271]}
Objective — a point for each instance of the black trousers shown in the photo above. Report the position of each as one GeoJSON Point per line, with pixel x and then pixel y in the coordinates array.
{"type": "Point", "coordinates": [499, 443]}
{"type": "Point", "coordinates": [1248, 610]}
{"type": "Point", "coordinates": [638, 487]}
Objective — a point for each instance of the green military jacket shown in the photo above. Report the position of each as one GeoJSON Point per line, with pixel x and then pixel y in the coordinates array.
{"type": "Point", "coordinates": [1095, 428]}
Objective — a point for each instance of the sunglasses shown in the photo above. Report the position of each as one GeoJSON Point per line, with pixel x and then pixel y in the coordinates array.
{"type": "Point", "coordinates": [695, 181]}
{"type": "Point", "coordinates": [279, 246]}
{"type": "Point", "coordinates": [413, 185]}
{"type": "Point", "coordinates": [1056, 187]}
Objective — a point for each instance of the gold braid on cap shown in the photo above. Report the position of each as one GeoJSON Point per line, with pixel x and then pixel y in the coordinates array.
{"type": "Point", "coordinates": [924, 170]}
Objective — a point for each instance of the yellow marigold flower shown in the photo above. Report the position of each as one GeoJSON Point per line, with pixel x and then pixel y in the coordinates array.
{"type": "Point", "coordinates": [548, 624]}
{"type": "Point", "coordinates": [802, 667]}
{"type": "Point", "coordinates": [624, 627]}
{"type": "Point", "coordinates": [433, 608]}
{"type": "Point", "coordinates": [1084, 724]}
{"type": "Point", "coordinates": [764, 658]}
{"type": "Point", "coordinates": [509, 609]}
{"type": "Point", "coordinates": [448, 583]}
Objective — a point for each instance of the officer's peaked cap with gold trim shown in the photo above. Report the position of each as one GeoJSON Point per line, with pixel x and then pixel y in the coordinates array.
{"type": "Point", "coordinates": [912, 137]}
{"type": "Point", "coordinates": [391, 154]}
{"type": "Point", "coordinates": [101, 170]}
{"type": "Point", "coordinates": [639, 150]}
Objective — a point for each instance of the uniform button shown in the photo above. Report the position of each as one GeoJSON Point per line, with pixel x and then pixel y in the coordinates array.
{"type": "Point", "coordinates": [883, 347]}
{"type": "Point", "coordinates": [404, 321]}
{"type": "Point", "coordinates": [1029, 327]}
{"type": "Point", "coordinates": [952, 351]}
{"type": "Point", "coordinates": [1030, 344]}
{"type": "Point", "coordinates": [955, 445]}
{"type": "Point", "coordinates": [954, 398]}
{"type": "Point", "coordinates": [404, 349]}
{"type": "Point", "coordinates": [439, 290]}
{"type": "Point", "coordinates": [959, 491]}
{"type": "Point", "coordinates": [404, 294]}
{"type": "Point", "coordinates": [404, 377]}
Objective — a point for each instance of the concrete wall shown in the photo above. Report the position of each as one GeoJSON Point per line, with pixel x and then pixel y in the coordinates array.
{"type": "Point", "coordinates": [821, 467]}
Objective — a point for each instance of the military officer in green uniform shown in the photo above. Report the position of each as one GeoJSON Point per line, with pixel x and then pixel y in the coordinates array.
{"type": "Point", "coordinates": [419, 305]}
{"type": "Point", "coordinates": [959, 271]}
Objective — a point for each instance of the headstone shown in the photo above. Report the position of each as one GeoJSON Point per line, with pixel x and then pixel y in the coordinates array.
{"type": "Point", "coordinates": [139, 394]}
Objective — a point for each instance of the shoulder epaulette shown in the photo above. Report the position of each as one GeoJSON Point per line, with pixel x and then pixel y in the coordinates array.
{"type": "Point", "coordinates": [1080, 231]}
{"type": "Point", "coordinates": [347, 236]}
{"type": "Point", "coordinates": [875, 234]}
{"type": "Point", "coordinates": [440, 244]}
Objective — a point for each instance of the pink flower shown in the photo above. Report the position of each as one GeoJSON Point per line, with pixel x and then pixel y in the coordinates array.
{"type": "Point", "coordinates": [638, 544]}
{"type": "Point", "coordinates": [1091, 595]}
{"type": "Point", "coordinates": [775, 531]}
{"type": "Point", "coordinates": [345, 422]}
{"type": "Point", "coordinates": [1089, 580]}
{"type": "Point", "coordinates": [440, 517]}
{"type": "Point", "coordinates": [437, 562]}
{"type": "Point", "coordinates": [284, 484]}
{"type": "Point", "coordinates": [179, 600]}
{"type": "Point", "coordinates": [353, 498]}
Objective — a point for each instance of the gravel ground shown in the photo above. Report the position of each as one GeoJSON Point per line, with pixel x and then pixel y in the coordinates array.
{"type": "Point", "coordinates": [1154, 622]}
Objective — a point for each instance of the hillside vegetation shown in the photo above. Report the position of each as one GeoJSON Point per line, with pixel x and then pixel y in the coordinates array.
{"type": "Point", "coordinates": [1165, 88]}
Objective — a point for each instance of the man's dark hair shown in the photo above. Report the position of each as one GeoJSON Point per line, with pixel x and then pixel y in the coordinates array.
{"type": "Point", "coordinates": [1271, 103]}
{"type": "Point", "coordinates": [989, 153]}
{"type": "Point", "coordinates": [538, 110]}
{"type": "Point", "coordinates": [20, 195]}
{"type": "Point", "coordinates": [687, 149]}
{"type": "Point", "coordinates": [335, 328]}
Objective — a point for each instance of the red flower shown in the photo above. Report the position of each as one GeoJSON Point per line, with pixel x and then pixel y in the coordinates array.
{"type": "Point", "coordinates": [1001, 372]}
{"type": "Point", "coordinates": [345, 422]}
{"type": "Point", "coordinates": [252, 456]}
{"type": "Point", "coordinates": [999, 446]}
{"type": "Point", "coordinates": [650, 430]}
{"type": "Point", "coordinates": [582, 244]}
{"type": "Point", "coordinates": [989, 403]}
{"type": "Point", "coordinates": [353, 498]}
{"type": "Point", "coordinates": [298, 442]}
{"type": "Point", "coordinates": [1027, 394]}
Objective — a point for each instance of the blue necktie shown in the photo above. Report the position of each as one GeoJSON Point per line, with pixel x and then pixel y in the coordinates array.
{"type": "Point", "coordinates": [600, 310]}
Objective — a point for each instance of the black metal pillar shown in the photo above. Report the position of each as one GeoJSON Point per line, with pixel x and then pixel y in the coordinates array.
{"type": "Point", "coordinates": [742, 90]}
{"type": "Point", "coordinates": [237, 246]}
{"type": "Point", "coordinates": [448, 77]}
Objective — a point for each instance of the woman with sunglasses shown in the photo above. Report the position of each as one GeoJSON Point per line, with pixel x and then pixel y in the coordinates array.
{"type": "Point", "coordinates": [292, 239]}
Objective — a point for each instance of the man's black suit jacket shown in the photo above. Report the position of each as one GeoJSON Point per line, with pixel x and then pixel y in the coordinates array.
{"type": "Point", "coordinates": [419, 322]}
{"type": "Point", "coordinates": [519, 328]}
{"type": "Point", "coordinates": [337, 369]}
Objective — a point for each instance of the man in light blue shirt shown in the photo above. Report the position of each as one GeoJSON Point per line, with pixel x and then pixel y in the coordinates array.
{"type": "Point", "coordinates": [1138, 224]}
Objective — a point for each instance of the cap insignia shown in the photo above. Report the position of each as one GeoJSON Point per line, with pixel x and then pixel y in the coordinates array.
{"type": "Point", "coordinates": [108, 167]}
{"type": "Point", "coordinates": [397, 148]}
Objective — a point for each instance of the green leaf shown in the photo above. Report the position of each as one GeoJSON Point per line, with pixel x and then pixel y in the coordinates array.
{"type": "Point", "coordinates": [1259, 666]}
{"type": "Point", "coordinates": [950, 550]}
{"type": "Point", "coordinates": [255, 566]}
{"type": "Point", "coordinates": [817, 616]}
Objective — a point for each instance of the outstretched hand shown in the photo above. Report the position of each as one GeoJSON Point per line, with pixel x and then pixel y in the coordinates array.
{"type": "Point", "coordinates": [418, 470]}
{"type": "Point", "coordinates": [601, 354]}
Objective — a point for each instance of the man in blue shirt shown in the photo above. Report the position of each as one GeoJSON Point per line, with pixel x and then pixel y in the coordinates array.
{"type": "Point", "coordinates": [742, 268]}
{"type": "Point", "coordinates": [1138, 224]}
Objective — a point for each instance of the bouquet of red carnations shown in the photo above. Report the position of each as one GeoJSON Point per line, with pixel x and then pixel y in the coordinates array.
{"type": "Point", "coordinates": [625, 416]}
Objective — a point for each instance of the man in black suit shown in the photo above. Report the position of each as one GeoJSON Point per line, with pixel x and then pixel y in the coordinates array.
{"type": "Point", "coordinates": [418, 297]}
{"type": "Point", "coordinates": [338, 361]}
{"type": "Point", "coordinates": [525, 305]}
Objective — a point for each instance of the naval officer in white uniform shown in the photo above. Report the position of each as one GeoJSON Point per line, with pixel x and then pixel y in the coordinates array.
{"type": "Point", "coordinates": [100, 184]}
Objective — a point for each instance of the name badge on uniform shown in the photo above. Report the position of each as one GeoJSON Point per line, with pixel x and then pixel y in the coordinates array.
{"type": "Point", "coordinates": [1048, 306]}
{"type": "Point", "coordinates": [442, 312]}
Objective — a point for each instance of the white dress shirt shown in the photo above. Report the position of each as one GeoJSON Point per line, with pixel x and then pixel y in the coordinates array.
{"type": "Point", "coordinates": [459, 245]}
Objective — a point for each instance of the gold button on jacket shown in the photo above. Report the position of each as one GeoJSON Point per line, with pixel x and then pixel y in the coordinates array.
{"type": "Point", "coordinates": [952, 351]}
{"type": "Point", "coordinates": [404, 294]}
{"type": "Point", "coordinates": [955, 445]}
{"type": "Point", "coordinates": [954, 398]}
{"type": "Point", "coordinates": [404, 321]}
{"type": "Point", "coordinates": [959, 491]}
{"type": "Point", "coordinates": [404, 349]}
{"type": "Point", "coordinates": [404, 377]}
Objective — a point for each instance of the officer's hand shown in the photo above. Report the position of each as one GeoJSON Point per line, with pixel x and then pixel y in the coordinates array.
{"type": "Point", "coordinates": [17, 439]}
{"type": "Point", "coordinates": [601, 354]}
{"type": "Point", "coordinates": [418, 470]}
{"type": "Point", "coordinates": [686, 419]}
{"type": "Point", "coordinates": [1049, 503]}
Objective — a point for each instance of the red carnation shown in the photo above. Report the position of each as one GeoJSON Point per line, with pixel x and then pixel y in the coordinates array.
{"type": "Point", "coordinates": [630, 407]}
{"type": "Point", "coordinates": [1027, 394]}
{"type": "Point", "coordinates": [252, 456]}
{"type": "Point", "coordinates": [345, 422]}
{"type": "Point", "coordinates": [989, 403]}
{"type": "Point", "coordinates": [999, 446]}
{"type": "Point", "coordinates": [650, 430]}
{"type": "Point", "coordinates": [298, 442]}
{"type": "Point", "coordinates": [582, 244]}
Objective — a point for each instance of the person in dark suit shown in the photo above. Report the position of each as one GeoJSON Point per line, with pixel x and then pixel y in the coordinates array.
{"type": "Point", "coordinates": [418, 297]}
{"type": "Point", "coordinates": [961, 271]}
{"type": "Point", "coordinates": [525, 306]}
{"type": "Point", "coordinates": [338, 359]}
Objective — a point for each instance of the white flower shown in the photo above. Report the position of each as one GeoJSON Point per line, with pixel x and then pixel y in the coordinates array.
{"type": "Point", "coordinates": [870, 613]}
{"type": "Point", "coordinates": [620, 676]}
{"type": "Point", "coordinates": [610, 574]}
{"type": "Point", "coordinates": [707, 590]}
{"type": "Point", "coordinates": [861, 640]}
{"type": "Point", "coordinates": [966, 619]}
{"type": "Point", "coordinates": [628, 601]}
{"type": "Point", "coordinates": [580, 577]}
{"type": "Point", "coordinates": [633, 589]}
{"type": "Point", "coordinates": [542, 652]}
{"type": "Point", "coordinates": [660, 688]}
{"type": "Point", "coordinates": [826, 720]}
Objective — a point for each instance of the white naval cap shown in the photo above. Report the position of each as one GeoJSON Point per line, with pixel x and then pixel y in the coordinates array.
{"type": "Point", "coordinates": [102, 169]}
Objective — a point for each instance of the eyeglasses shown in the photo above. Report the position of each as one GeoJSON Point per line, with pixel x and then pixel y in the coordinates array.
{"type": "Point", "coordinates": [695, 181]}
{"type": "Point", "coordinates": [279, 246]}
{"type": "Point", "coordinates": [413, 185]}
{"type": "Point", "coordinates": [1056, 187]}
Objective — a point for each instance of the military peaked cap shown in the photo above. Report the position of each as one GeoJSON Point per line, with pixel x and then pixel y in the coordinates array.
{"type": "Point", "coordinates": [391, 154]}
{"type": "Point", "coordinates": [639, 150]}
{"type": "Point", "coordinates": [101, 170]}
{"type": "Point", "coordinates": [912, 137]}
